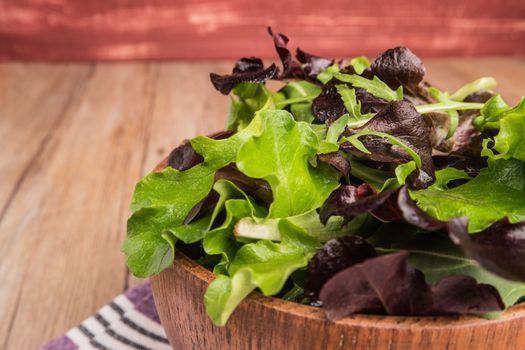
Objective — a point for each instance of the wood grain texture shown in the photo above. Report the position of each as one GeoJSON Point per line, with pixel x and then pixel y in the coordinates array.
{"type": "Point", "coordinates": [60, 237]}
{"type": "Point", "coordinates": [62, 30]}
{"type": "Point", "coordinates": [73, 141]}
{"type": "Point", "coordinates": [262, 322]}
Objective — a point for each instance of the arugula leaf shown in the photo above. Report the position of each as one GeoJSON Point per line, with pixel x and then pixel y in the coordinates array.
{"type": "Point", "coordinates": [354, 140]}
{"type": "Point", "coordinates": [357, 119]}
{"type": "Point", "coordinates": [443, 97]}
{"type": "Point", "coordinates": [331, 142]}
{"type": "Point", "coordinates": [495, 193]}
{"type": "Point", "coordinates": [375, 86]}
{"type": "Point", "coordinates": [448, 106]}
{"type": "Point", "coordinates": [265, 265]}
{"type": "Point", "coordinates": [297, 186]}
{"type": "Point", "coordinates": [444, 176]}
{"type": "Point", "coordinates": [485, 83]}
{"type": "Point", "coordinates": [302, 112]}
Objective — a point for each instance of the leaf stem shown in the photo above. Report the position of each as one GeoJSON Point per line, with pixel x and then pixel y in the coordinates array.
{"type": "Point", "coordinates": [448, 106]}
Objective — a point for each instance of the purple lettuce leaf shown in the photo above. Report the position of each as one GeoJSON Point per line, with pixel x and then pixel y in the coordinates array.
{"type": "Point", "coordinates": [337, 160]}
{"type": "Point", "coordinates": [401, 120]}
{"type": "Point", "coordinates": [290, 67]}
{"type": "Point", "coordinates": [369, 102]}
{"type": "Point", "coordinates": [459, 294]}
{"type": "Point", "coordinates": [248, 64]}
{"type": "Point", "coordinates": [500, 248]}
{"type": "Point", "coordinates": [328, 106]}
{"type": "Point", "coordinates": [311, 64]}
{"type": "Point", "coordinates": [184, 156]}
{"type": "Point", "coordinates": [414, 215]}
{"type": "Point", "coordinates": [335, 255]}
{"type": "Point", "coordinates": [226, 83]}
{"type": "Point", "coordinates": [349, 201]}
{"type": "Point", "coordinates": [388, 284]}
{"type": "Point", "coordinates": [399, 66]}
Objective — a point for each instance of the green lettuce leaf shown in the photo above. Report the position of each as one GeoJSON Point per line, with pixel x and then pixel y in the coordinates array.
{"type": "Point", "coordinates": [510, 141]}
{"type": "Point", "coordinates": [250, 98]}
{"type": "Point", "coordinates": [300, 88]}
{"type": "Point", "coordinates": [301, 111]}
{"type": "Point", "coordinates": [237, 205]}
{"type": "Point", "coordinates": [264, 264]}
{"type": "Point", "coordinates": [253, 228]}
{"type": "Point", "coordinates": [280, 155]}
{"type": "Point", "coordinates": [497, 192]}
{"type": "Point", "coordinates": [162, 201]}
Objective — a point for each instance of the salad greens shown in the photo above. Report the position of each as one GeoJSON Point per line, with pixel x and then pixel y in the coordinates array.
{"type": "Point", "coordinates": [355, 186]}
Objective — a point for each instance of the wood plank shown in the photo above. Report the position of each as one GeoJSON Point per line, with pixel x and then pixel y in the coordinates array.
{"type": "Point", "coordinates": [163, 29]}
{"type": "Point", "coordinates": [32, 101]}
{"type": "Point", "coordinates": [60, 239]}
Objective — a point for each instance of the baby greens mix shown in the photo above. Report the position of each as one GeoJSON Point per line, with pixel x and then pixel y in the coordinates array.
{"type": "Point", "coordinates": [357, 187]}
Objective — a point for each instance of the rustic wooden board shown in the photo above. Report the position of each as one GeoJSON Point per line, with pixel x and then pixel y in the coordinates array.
{"type": "Point", "coordinates": [73, 141]}
{"type": "Point", "coordinates": [60, 238]}
{"type": "Point", "coordinates": [163, 29]}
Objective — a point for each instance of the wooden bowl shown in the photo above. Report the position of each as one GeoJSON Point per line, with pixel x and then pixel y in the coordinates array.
{"type": "Point", "coordinates": [261, 322]}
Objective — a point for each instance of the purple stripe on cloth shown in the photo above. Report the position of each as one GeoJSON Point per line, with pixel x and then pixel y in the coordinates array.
{"type": "Point", "coordinates": [148, 308]}
{"type": "Point", "coordinates": [123, 324]}
{"type": "Point", "coordinates": [136, 294]}
{"type": "Point", "coordinates": [62, 343]}
{"type": "Point", "coordinates": [142, 297]}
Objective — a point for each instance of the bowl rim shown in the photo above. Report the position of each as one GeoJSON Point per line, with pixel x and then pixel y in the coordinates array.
{"type": "Point", "coordinates": [316, 313]}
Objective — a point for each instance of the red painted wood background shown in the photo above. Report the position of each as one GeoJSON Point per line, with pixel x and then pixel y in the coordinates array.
{"type": "Point", "coordinates": [79, 30]}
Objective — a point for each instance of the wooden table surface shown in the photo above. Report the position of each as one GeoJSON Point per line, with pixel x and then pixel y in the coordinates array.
{"type": "Point", "coordinates": [74, 139]}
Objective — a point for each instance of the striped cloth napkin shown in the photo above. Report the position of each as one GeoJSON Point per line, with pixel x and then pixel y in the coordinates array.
{"type": "Point", "coordinates": [129, 322]}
